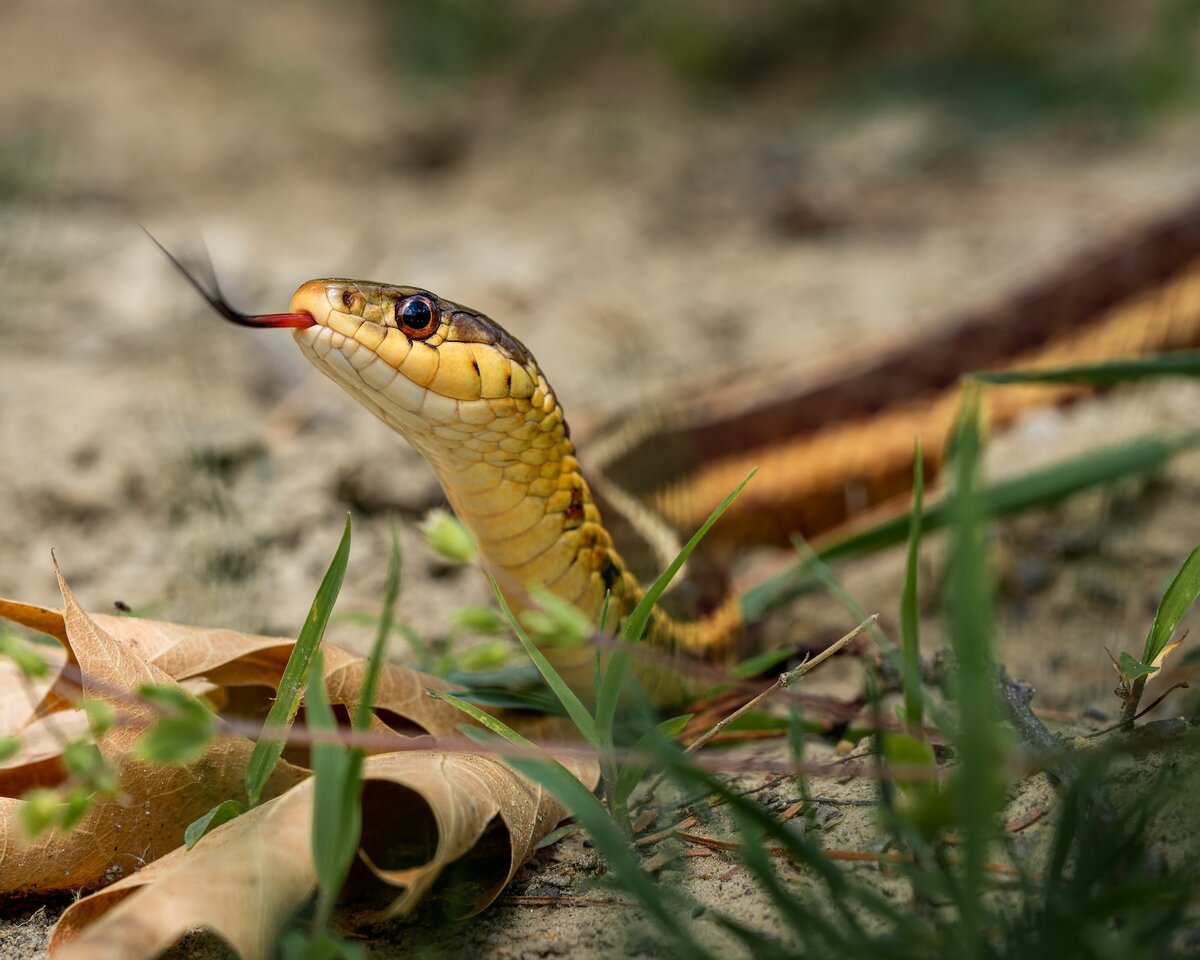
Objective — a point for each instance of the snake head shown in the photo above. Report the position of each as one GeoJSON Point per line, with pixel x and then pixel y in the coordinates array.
{"type": "Point", "coordinates": [408, 348]}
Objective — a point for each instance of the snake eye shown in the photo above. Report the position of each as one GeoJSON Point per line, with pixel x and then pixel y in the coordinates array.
{"type": "Point", "coordinates": [416, 316]}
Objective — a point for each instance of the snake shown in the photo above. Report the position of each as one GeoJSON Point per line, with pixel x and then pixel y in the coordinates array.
{"type": "Point", "coordinates": [472, 399]}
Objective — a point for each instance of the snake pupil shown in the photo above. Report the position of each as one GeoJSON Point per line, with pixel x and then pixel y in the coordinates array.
{"type": "Point", "coordinates": [416, 313]}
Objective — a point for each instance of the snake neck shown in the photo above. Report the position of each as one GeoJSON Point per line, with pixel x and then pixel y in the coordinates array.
{"type": "Point", "coordinates": [505, 459]}
{"type": "Point", "coordinates": [518, 487]}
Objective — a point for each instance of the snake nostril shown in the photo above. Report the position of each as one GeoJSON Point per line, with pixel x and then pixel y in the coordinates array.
{"type": "Point", "coordinates": [353, 301]}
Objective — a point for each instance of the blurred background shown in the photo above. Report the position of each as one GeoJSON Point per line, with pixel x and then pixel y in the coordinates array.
{"type": "Point", "coordinates": [650, 194]}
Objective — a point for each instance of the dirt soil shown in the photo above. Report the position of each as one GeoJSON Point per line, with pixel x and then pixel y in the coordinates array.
{"type": "Point", "coordinates": [634, 241]}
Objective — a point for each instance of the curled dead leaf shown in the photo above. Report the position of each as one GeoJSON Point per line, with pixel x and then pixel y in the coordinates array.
{"type": "Point", "coordinates": [243, 881]}
{"type": "Point", "coordinates": [228, 659]}
{"type": "Point", "coordinates": [120, 834]}
{"type": "Point", "coordinates": [426, 814]}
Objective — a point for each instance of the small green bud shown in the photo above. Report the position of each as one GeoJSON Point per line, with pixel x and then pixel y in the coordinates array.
{"type": "Point", "coordinates": [448, 537]}
{"type": "Point", "coordinates": [554, 623]}
{"type": "Point", "coordinates": [81, 757]}
{"type": "Point", "coordinates": [9, 747]}
{"type": "Point", "coordinates": [480, 620]}
{"type": "Point", "coordinates": [101, 716]}
{"type": "Point", "coordinates": [39, 811]}
{"type": "Point", "coordinates": [20, 653]}
{"type": "Point", "coordinates": [181, 734]}
{"type": "Point", "coordinates": [486, 656]}
{"type": "Point", "coordinates": [75, 808]}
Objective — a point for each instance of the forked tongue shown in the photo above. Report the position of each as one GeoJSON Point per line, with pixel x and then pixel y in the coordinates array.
{"type": "Point", "coordinates": [216, 299]}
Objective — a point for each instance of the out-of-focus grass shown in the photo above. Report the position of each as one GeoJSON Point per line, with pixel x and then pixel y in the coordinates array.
{"type": "Point", "coordinates": [999, 61]}
{"type": "Point", "coordinates": [26, 166]}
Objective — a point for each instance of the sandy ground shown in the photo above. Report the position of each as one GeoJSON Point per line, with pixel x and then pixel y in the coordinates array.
{"type": "Point", "coordinates": [201, 473]}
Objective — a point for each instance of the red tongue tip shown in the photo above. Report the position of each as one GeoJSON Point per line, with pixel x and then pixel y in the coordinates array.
{"type": "Point", "coordinates": [296, 320]}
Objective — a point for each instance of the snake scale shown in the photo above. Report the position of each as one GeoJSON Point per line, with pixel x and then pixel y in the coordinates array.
{"type": "Point", "coordinates": [471, 398]}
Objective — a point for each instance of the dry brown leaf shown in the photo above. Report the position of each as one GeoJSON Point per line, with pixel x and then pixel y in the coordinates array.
{"type": "Point", "coordinates": [20, 698]}
{"type": "Point", "coordinates": [42, 619]}
{"type": "Point", "coordinates": [427, 809]}
{"type": "Point", "coordinates": [227, 658]}
{"type": "Point", "coordinates": [148, 819]}
{"type": "Point", "coordinates": [243, 881]}
{"type": "Point", "coordinates": [462, 821]}
{"type": "Point", "coordinates": [456, 798]}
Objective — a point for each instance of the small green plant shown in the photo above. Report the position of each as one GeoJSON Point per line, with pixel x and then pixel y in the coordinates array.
{"type": "Point", "coordinates": [182, 731]}
{"type": "Point", "coordinates": [28, 662]}
{"type": "Point", "coordinates": [480, 663]}
{"type": "Point", "coordinates": [1175, 603]}
{"type": "Point", "coordinates": [63, 807]}
{"type": "Point", "coordinates": [448, 538]}
{"type": "Point", "coordinates": [338, 784]}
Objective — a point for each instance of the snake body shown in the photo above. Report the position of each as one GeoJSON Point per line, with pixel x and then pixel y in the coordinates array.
{"type": "Point", "coordinates": [472, 400]}
{"type": "Point", "coordinates": [832, 446]}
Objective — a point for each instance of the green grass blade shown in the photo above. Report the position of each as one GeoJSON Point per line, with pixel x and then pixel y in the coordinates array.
{"type": "Point", "coordinates": [498, 727]}
{"type": "Point", "coordinates": [1175, 603]}
{"type": "Point", "coordinates": [287, 700]}
{"type": "Point", "coordinates": [391, 591]}
{"type": "Point", "coordinates": [1178, 364]}
{"type": "Point", "coordinates": [540, 701]}
{"type": "Point", "coordinates": [566, 696]}
{"type": "Point", "coordinates": [612, 845]}
{"type": "Point", "coordinates": [635, 768]}
{"type": "Point", "coordinates": [337, 771]}
{"type": "Point", "coordinates": [979, 791]}
{"type": "Point", "coordinates": [337, 815]}
{"type": "Point", "coordinates": [613, 683]}
{"type": "Point", "coordinates": [1037, 489]}
{"type": "Point", "coordinates": [635, 624]}
{"type": "Point", "coordinates": [223, 812]}
{"type": "Point", "coordinates": [910, 639]}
